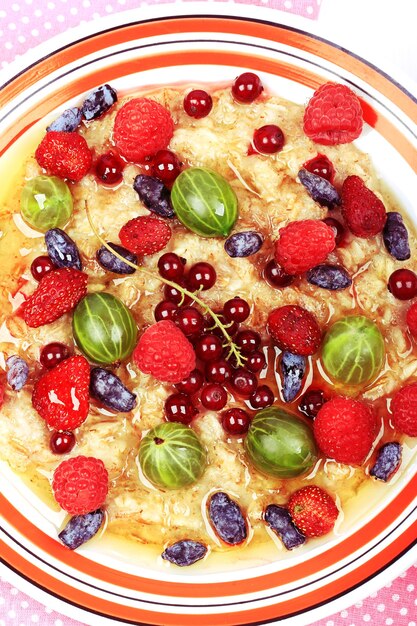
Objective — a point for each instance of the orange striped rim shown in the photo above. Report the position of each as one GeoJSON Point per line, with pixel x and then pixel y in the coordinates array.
{"type": "Point", "coordinates": [203, 57]}
{"type": "Point", "coordinates": [372, 529]}
{"type": "Point", "coordinates": [256, 616]}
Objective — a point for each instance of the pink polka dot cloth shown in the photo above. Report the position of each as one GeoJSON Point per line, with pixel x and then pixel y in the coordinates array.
{"type": "Point", "coordinates": [24, 24]}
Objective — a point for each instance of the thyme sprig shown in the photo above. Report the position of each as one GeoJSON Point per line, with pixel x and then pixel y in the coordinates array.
{"type": "Point", "coordinates": [233, 349]}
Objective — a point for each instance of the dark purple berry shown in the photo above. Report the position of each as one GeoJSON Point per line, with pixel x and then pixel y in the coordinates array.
{"type": "Point", "coordinates": [154, 195]}
{"type": "Point", "coordinates": [227, 519]}
{"type": "Point", "coordinates": [320, 189]}
{"type": "Point", "coordinates": [243, 244]}
{"type": "Point", "coordinates": [279, 519]}
{"type": "Point", "coordinates": [395, 236]}
{"type": "Point", "coordinates": [293, 367]}
{"type": "Point", "coordinates": [81, 528]}
{"type": "Point", "coordinates": [67, 122]}
{"type": "Point", "coordinates": [184, 553]}
{"type": "Point", "coordinates": [327, 276]}
{"type": "Point", "coordinates": [112, 263]}
{"type": "Point", "coordinates": [62, 250]}
{"type": "Point", "coordinates": [17, 372]}
{"type": "Point", "coordinates": [98, 102]}
{"type": "Point", "coordinates": [108, 389]}
{"type": "Point", "coordinates": [387, 461]}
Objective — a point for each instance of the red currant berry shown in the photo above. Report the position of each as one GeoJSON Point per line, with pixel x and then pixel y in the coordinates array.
{"type": "Point", "coordinates": [262, 397]}
{"type": "Point", "coordinates": [218, 371]}
{"type": "Point", "coordinates": [214, 397]}
{"type": "Point", "coordinates": [53, 353]}
{"type": "Point", "coordinates": [62, 442]}
{"type": "Point", "coordinates": [201, 275]}
{"type": "Point", "coordinates": [41, 266]}
{"type": "Point", "coordinates": [338, 229]}
{"type": "Point", "coordinates": [403, 284]}
{"type": "Point", "coordinates": [166, 166]}
{"type": "Point", "coordinates": [255, 361]}
{"type": "Point", "coordinates": [165, 310]}
{"type": "Point", "coordinates": [109, 168]}
{"type": "Point", "coordinates": [192, 383]}
{"type": "Point", "coordinates": [311, 402]}
{"type": "Point", "coordinates": [173, 294]}
{"type": "Point", "coordinates": [246, 88]}
{"type": "Point", "coordinates": [321, 166]}
{"type": "Point", "coordinates": [236, 421]}
{"type": "Point", "coordinates": [243, 381]}
{"type": "Point", "coordinates": [236, 310]}
{"type": "Point", "coordinates": [248, 341]}
{"type": "Point", "coordinates": [276, 276]}
{"type": "Point", "coordinates": [171, 266]}
{"type": "Point", "coordinates": [179, 408]}
{"type": "Point", "coordinates": [209, 348]}
{"type": "Point", "coordinates": [268, 139]}
{"type": "Point", "coordinates": [198, 103]}
{"type": "Point", "coordinates": [190, 321]}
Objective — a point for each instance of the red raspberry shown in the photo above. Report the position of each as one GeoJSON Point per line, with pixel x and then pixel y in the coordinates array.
{"type": "Point", "coordinates": [66, 155]}
{"type": "Point", "coordinates": [165, 352]}
{"type": "Point", "coordinates": [295, 329]}
{"type": "Point", "coordinates": [313, 511]}
{"type": "Point", "coordinates": [363, 211]}
{"type": "Point", "coordinates": [58, 292]}
{"type": "Point", "coordinates": [142, 127]}
{"type": "Point", "coordinates": [333, 115]}
{"type": "Point", "coordinates": [145, 235]}
{"type": "Point", "coordinates": [404, 410]}
{"type": "Point", "coordinates": [80, 484]}
{"type": "Point", "coordinates": [412, 319]}
{"type": "Point", "coordinates": [345, 430]}
{"type": "Point", "coordinates": [303, 244]}
{"type": "Point", "coordinates": [61, 396]}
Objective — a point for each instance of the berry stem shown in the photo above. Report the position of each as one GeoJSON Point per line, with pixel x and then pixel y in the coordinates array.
{"type": "Point", "coordinates": [234, 350]}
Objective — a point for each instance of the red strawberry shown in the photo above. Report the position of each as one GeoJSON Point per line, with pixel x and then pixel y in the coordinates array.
{"type": "Point", "coordinates": [303, 244]}
{"type": "Point", "coordinates": [142, 127]}
{"type": "Point", "coordinates": [404, 410]}
{"type": "Point", "coordinates": [145, 235]}
{"type": "Point", "coordinates": [345, 430]}
{"type": "Point", "coordinates": [313, 511]}
{"type": "Point", "coordinates": [66, 155]}
{"type": "Point", "coordinates": [165, 352]}
{"type": "Point", "coordinates": [295, 329]}
{"type": "Point", "coordinates": [362, 209]}
{"type": "Point", "coordinates": [412, 319]}
{"type": "Point", "coordinates": [80, 484]}
{"type": "Point", "coordinates": [61, 396]}
{"type": "Point", "coordinates": [333, 115]}
{"type": "Point", "coordinates": [58, 292]}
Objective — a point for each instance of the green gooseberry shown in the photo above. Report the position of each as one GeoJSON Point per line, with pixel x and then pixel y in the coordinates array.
{"type": "Point", "coordinates": [353, 350]}
{"type": "Point", "coordinates": [204, 202]}
{"type": "Point", "coordinates": [104, 328]}
{"type": "Point", "coordinates": [46, 202]}
{"type": "Point", "coordinates": [280, 444]}
{"type": "Point", "coordinates": [171, 456]}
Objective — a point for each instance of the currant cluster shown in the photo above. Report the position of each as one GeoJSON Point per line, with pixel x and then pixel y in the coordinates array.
{"type": "Point", "coordinates": [216, 378]}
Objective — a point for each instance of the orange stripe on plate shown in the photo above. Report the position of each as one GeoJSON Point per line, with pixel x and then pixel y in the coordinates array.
{"type": "Point", "coordinates": [280, 609]}
{"type": "Point", "coordinates": [279, 68]}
